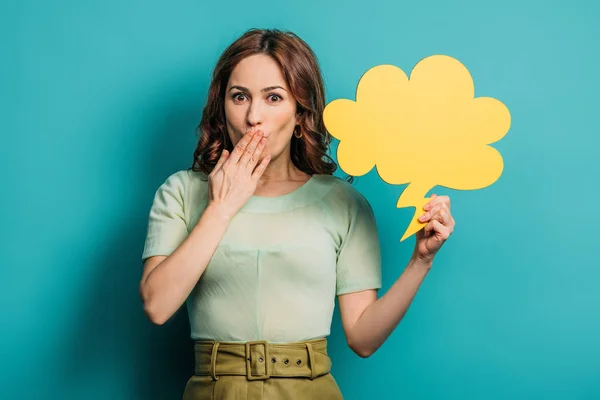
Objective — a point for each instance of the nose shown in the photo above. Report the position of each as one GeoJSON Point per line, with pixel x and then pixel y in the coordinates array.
{"type": "Point", "coordinates": [254, 116]}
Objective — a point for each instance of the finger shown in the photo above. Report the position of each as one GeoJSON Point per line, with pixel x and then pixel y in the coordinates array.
{"type": "Point", "coordinates": [440, 216]}
{"type": "Point", "coordinates": [443, 213]}
{"type": "Point", "coordinates": [431, 198]}
{"type": "Point", "coordinates": [450, 225]}
{"type": "Point", "coordinates": [257, 152]}
{"type": "Point", "coordinates": [248, 157]}
{"type": "Point", "coordinates": [436, 200]}
{"type": "Point", "coordinates": [261, 168]}
{"type": "Point", "coordinates": [240, 147]}
{"type": "Point", "coordinates": [436, 227]}
{"type": "Point", "coordinates": [221, 161]}
{"type": "Point", "coordinates": [428, 228]}
{"type": "Point", "coordinates": [442, 230]}
{"type": "Point", "coordinates": [435, 210]}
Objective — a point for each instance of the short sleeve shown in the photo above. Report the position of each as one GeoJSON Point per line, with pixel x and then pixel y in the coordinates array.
{"type": "Point", "coordinates": [167, 227]}
{"type": "Point", "coordinates": [359, 255]}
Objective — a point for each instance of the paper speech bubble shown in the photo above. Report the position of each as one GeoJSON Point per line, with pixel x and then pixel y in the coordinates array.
{"type": "Point", "coordinates": [426, 131]}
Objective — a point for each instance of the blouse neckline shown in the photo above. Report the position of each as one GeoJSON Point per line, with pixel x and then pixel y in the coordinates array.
{"type": "Point", "coordinates": [309, 192]}
{"type": "Point", "coordinates": [299, 197]}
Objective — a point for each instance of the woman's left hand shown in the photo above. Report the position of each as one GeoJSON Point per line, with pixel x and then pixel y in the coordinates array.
{"type": "Point", "coordinates": [440, 225]}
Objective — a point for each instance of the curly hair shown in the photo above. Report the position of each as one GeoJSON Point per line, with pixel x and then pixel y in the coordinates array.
{"type": "Point", "coordinates": [303, 75]}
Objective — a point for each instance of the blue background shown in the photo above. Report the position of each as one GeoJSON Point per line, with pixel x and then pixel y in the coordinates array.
{"type": "Point", "coordinates": [99, 103]}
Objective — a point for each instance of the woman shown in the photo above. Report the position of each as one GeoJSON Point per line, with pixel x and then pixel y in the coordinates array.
{"type": "Point", "coordinates": [258, 237]}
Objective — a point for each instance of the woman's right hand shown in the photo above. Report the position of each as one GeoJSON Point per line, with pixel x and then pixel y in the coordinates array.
{"type": "Point", "coordinates": [235, 176]}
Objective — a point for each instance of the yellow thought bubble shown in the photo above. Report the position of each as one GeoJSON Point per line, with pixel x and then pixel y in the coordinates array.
{"type": "Point", "coordinates": [426, 131]}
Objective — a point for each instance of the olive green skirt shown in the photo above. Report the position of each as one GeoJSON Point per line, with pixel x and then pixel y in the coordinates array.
{"type": "Point", "coordinates": [260, 370]}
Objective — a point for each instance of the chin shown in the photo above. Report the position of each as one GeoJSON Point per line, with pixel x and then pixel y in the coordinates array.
{"type": "Point", "coordinates": [262, 156]}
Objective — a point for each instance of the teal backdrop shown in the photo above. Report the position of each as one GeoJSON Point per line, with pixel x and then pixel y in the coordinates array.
{"type": "Point", "coordinates": [99, 103]}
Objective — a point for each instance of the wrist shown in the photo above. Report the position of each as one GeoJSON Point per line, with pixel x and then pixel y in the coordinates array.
{"type": "Point", "coordinates": [218, 213]}
{"type": "Point", "coordinates": [421, 262]}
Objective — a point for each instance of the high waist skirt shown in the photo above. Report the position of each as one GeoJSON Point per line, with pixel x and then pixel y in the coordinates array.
{"type": "Point", "coordinates": [260, 370]}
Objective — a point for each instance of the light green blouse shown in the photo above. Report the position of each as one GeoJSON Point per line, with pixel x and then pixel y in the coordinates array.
{"type": "Point", "coordinates": [282, 260]}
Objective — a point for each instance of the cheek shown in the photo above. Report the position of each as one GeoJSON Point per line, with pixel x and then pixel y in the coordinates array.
{"type": "Point", "coordinates": [284, 119]}
{"type": "Point", "coordinates": [233, 113]}
{"type": "Point", "coordinates": [234, 118]}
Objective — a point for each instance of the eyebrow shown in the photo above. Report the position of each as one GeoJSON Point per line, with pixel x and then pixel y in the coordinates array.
{"type": "Point", "coordinates": [244, 89]}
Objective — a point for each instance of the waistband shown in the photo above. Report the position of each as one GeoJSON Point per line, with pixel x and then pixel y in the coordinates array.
{"type": "Point", "coordinates": [260, 360]}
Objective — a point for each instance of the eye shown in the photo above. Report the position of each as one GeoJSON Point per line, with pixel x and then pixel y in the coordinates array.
{"type": "Point", "coordinates": [275, 97]}
{"type": "Point", "coordinates": [238, 96]}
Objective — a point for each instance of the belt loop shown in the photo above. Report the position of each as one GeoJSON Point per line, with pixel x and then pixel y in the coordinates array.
{"type": "Point", "coordinates": [213, 361]}
{"type": "Point", "coordinates": [311, 357]}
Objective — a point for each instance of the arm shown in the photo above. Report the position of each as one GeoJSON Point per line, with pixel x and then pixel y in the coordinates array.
{"type": "Point", "coordinates": [368, 321]}
{"type": "Point", "coordinates": [167, 281]}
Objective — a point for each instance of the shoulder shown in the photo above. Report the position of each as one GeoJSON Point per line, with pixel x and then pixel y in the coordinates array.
{"type": "Point", "coordinates": [184, 179]}
{"type": "Point", "coordinates": [182, 193]}
{"type": "Point", "coordinates": [183, 186]}
{"type": "Point", "coordinates": [194, 178]}
{"type": "Point", "coordinates": [341, 199]}
{"type": "Point", "coordinates": [341, 191]}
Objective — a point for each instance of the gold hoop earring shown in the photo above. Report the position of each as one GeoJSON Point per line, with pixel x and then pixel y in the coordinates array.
{"type": "Point", "coordinates": [297, 137]}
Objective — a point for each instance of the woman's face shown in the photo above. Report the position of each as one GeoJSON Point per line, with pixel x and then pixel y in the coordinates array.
{"type": "Point", "coordinates": [257, 97]}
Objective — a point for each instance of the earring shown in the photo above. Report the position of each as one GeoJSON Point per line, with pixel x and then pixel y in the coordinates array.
{"type": "Point", "coordinates": [297, 137]}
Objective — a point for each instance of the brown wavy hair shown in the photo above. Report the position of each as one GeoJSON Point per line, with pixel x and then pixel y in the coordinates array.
{"type": "Point", "coordinates": [302, 73]}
